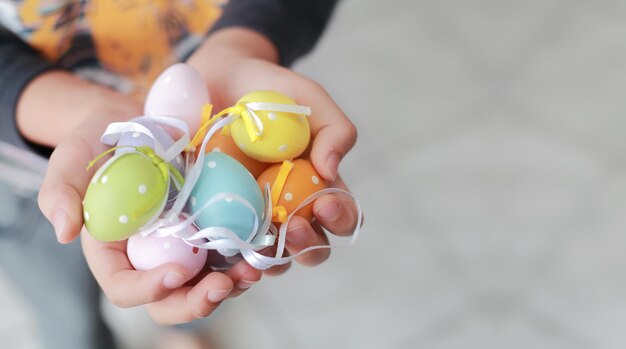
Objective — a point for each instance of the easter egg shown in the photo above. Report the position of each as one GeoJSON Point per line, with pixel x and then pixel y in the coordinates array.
{"type": "Point", "coordinates": [223, 174]}
{"type": "Point", "coordinates": [285, 135]}
{"type": "Point", "coordinates": [225, 144]}
{"type": "Point", "coordinates": [301, 181]}
{"type": "Point", "coordinates": [127, 193]}
{"type": "Point", "coordinates": [149, 252]}
{"type": "Point", "coordinates": [178, 92]}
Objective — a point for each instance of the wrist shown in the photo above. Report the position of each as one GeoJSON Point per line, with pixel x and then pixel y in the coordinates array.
{"type": "Point", "coordinates": [243, 42]}
{"type": "Point", "coordinates": [226, 46]}
{"type": "Point", "coordinates": [56, 102]}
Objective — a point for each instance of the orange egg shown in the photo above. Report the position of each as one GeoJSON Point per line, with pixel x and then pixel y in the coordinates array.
{"type": "Point", "coordinates": [301, 181]}
{"type": "Point", "coordinates": [226, 145]}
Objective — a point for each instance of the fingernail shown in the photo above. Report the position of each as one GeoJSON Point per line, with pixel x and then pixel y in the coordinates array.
{"type": "Point", "coordinates": [296, 236]}
{"type": "Point", "coordinates": [59, 221]}
{"type": "Point", "coordinates": [215, 296]}
{"type": "Point", "coordinates": [332, 165]}
{"type": "Point", "coordinates": [173, 280]}
{"type": "Point", "coordinates": [329, 212]}
{"type": "Point", "coordinates": [245, 284]}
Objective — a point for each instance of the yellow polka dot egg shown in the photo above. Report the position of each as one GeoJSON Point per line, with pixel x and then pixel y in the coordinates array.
{"type": "Point", "coordinates": [280, 135]}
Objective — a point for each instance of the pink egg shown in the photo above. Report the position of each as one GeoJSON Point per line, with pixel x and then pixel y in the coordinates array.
{"type": "Point", "coordinates": [150, 252]}
{"type": "Point", "coordinates": [178, 92]}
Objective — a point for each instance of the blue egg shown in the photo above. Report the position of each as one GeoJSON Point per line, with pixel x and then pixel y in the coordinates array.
{"type": "Point", "coordinates": [223, 174]}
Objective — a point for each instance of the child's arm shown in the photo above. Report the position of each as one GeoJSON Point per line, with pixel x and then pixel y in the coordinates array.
{"type": "Point", "coordinates": [41, 103]}
{"type": "Point", "coordinates": [55, 102]}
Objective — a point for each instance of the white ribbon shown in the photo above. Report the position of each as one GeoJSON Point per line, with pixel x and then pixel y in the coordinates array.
{"type": "Point", "coordinates": [193, 174]}
{"type": "Point", "coordinates": [257, 239]}
{"type": "Point", "coordinates": [273, 107]}
{"type": "Point", "coordinates": [223, 239]}
{"type": "Point", "coordinates": [168, 225]}
{"type": "Point", "coordinates": [114, 130]}
{"type": "Point", "coordinates": [230, 241]}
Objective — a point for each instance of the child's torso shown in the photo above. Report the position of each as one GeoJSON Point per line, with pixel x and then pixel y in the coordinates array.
{"type": "Point", "coordinates": [121, 43]}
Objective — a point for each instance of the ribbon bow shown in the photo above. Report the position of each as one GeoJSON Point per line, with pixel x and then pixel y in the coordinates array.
{"type": "Point", "coordinates": [247, 112]}
{"type": "Point", "coordinates": [165, 167]}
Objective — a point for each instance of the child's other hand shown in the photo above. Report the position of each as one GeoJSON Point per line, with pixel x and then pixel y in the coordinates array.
{"type": "Point", "coordinates": [60, 199]}
{"type": "Point", "coordinates": [236, 61]}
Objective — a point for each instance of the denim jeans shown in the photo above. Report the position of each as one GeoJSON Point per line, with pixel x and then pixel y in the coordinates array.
{"type": "Point", "coordinates": [53, 278]}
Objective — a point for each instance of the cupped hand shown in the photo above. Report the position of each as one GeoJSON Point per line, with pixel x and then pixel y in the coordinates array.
{"type": "Point", "coordinates": [238, 61]}
{"type": "Point", "coordinates": [171, 297]}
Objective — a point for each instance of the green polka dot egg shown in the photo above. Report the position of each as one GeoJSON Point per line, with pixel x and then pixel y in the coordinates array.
{"type": "Point", "coordinates": [128, 192]}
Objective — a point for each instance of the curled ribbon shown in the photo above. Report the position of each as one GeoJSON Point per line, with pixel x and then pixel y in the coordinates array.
{"type": "Point", "coordinates": [219, 238]}
{"type": "Point", "coordinates": [194, 172]}
{"type": "Point", "coordinates": [113, 132]}
{"type": "Point", "coordinates": [282, 233]}
{"type": "Point", "coordinates": [223, 239]}
{"type": "Point", "coordinates": [262, 235]}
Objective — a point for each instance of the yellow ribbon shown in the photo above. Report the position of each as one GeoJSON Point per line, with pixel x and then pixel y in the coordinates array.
{"type": "Point", "coordinates": [248, 117]}
{"type": "Point", "coordinates": [164, 167]}
{"type": "Point", "coordinates": [103, 154]}
{"type": "Point", "coordinates": [205, 122]}
{"type": "Point", "coordinates": [252, 122]}
{"type": "Point", "coordinates": [208, 120]}
{"type": "Point", "coordinates": [279, 213]}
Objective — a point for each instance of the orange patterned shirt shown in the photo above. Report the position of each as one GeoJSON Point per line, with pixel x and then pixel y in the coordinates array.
{"type": "Point", "coordinates": [121, 43]}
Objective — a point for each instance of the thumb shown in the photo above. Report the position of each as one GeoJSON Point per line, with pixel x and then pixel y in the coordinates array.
{"type": "Point", "coordinates": [334, 134]}
{"type": "Point", "coordinates": [66, 181]}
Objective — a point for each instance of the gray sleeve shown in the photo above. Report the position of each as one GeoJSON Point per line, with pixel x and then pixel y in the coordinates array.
{"type": "Point", "coordinates": [294, 26]}
{"type": "Point", "coordinates": [19, 64]}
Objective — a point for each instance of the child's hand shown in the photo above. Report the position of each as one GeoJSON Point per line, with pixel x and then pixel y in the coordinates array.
{"type": "Point", "coordinates": [60, 200]}
{"type": "Point", "coordinates": [236, 61]}
{"type": "Point", "coordinates": [230, 72]}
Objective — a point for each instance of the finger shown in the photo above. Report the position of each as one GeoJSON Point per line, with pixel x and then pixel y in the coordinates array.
{"type": "Point", "coordinates": [333, 133]}
{"type": "Point", "coordinates": [243, 276]}
{"type": "Point", "coordinates": [300, 235]}
{"type": "Point", "coordinates": [60, 197]}
{"type": "Point", "coordinates": [190, 303]}
{"type": "Point", "coordinates": [123, 285]}
{"type": "Point", "coordinates": [336, 212]}
{"type": "Point", "coordinates": [277, 269]}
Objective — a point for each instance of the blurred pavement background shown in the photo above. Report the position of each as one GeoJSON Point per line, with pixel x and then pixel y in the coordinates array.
{"type": "Point", "coordinates": [491, 165]}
